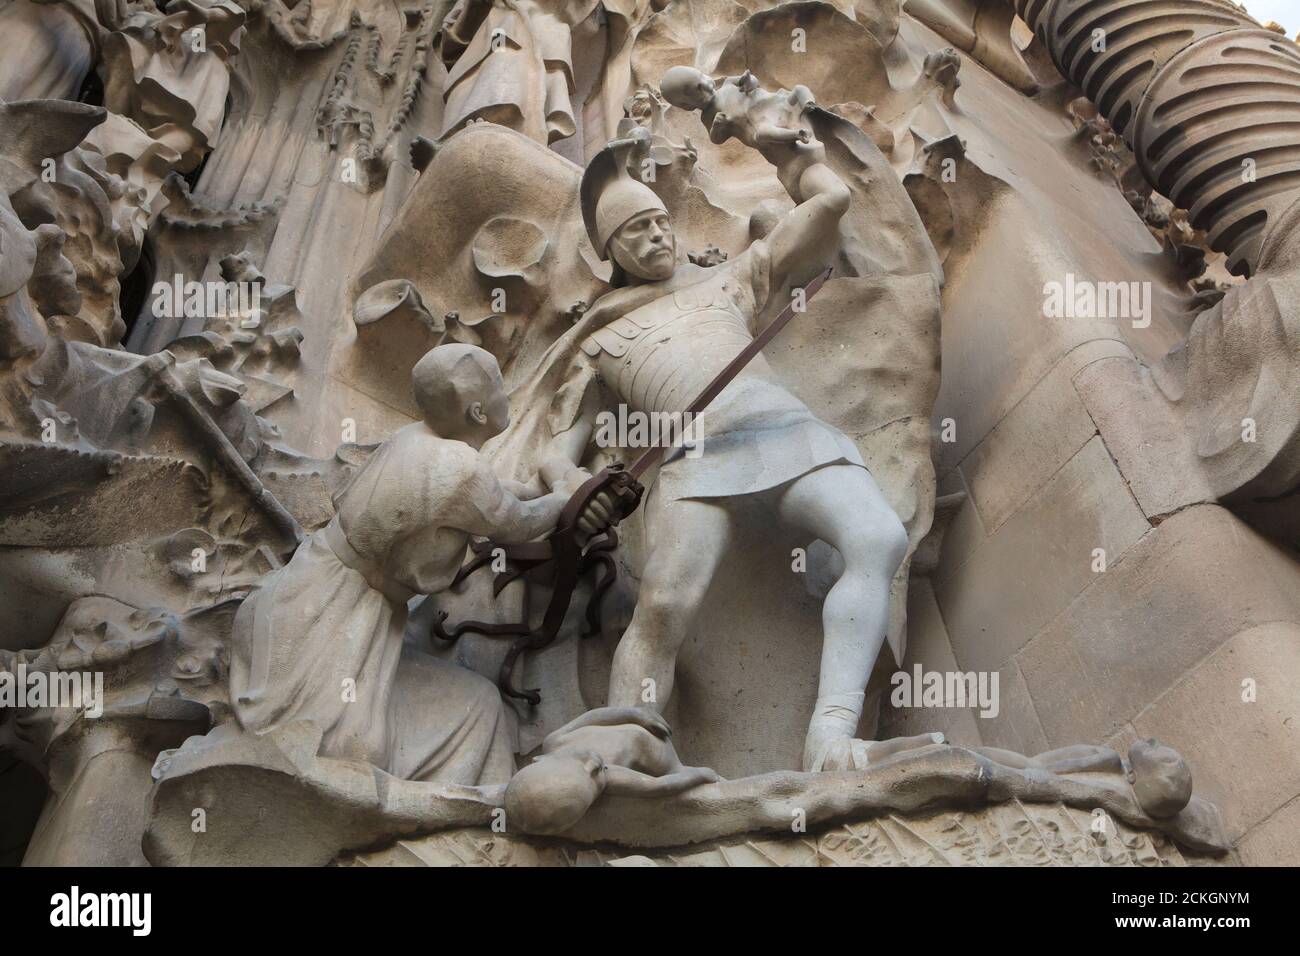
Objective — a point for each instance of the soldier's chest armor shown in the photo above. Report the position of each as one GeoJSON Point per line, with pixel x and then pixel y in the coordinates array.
{"type": "Point", "coordinates": [661, 355]}
{"type": "Point", "coordinates": [684, 314]}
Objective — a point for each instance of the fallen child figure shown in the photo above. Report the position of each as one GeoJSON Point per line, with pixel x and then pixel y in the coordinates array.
{"type": "Point", "coordinates": [1155, 774]}
{"type": "Point", "coordinates": [616, 750]}
{"type": "Point", "coordinates": [305, 809]}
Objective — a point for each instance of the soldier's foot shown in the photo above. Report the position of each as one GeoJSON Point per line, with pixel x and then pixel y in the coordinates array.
{"type": "Point", "coordinates": [878, 750]}
{"type": "Point", "coordinates": [826, 751]}
{"type": "Point", "coordinates": [830, 730]}
{"type": "Point", "coordinates": [829, 753]}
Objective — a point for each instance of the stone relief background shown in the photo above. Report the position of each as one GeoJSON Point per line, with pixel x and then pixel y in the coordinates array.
{"type": "Point", "coordinates": [381, 169]}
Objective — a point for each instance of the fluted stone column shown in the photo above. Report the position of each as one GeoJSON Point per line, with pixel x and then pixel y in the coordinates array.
{"type": "Point", "coordinates": [1207, 99]}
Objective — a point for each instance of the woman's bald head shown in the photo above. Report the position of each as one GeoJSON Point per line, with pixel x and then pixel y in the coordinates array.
{"type": "Point", "coordinates": [460, 386]}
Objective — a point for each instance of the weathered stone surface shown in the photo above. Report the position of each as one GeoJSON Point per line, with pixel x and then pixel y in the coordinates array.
{"type": "Point", "coordinates": [227, 514]}
{"type": "Point", "coordinates": [1274, 842]}
{"type": "Point", "coordinates": [1016, 834]}
{"type": "Point", "coordinates": [928, 646]}
{"type": "Point", "coordinates": [1016, 725]}
{"type": "Point", "coordinates": [1192, 583]}
{"type": "Point", "coordinates": [1035, 440]}
{"type": "Point", "coordinates": [964, 534]}
{"type": "Point", "coordinates": [1031, 568]}
{"type": "Point", "coordinates": [1148, 442]}
{"type": "Point", "coordinates": [1237, 716]}
{"type": "Point", "coordinates": [73, 827]}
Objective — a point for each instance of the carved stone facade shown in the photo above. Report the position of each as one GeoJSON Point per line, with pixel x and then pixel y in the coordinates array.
{"type": "Point", "coordinates": [333, 333]}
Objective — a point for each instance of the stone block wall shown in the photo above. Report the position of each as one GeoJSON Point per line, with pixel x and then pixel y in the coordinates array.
{"type": "Point", "coordinates": [1063, 446]}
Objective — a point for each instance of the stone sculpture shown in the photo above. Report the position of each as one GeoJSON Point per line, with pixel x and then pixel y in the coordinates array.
{"type": "Point", "coordinates": [609, 750]}
{"type": "Point", "coordinates": [772, 123]}
{"type": "Point", "coordinates": [325, 804]}
{"type": "Point", "coordinates": [1168, 98]}
{"type": "Point", "coordinates": [400, 529]}
{"type": "Point", "coordinates": [655, 341]}
{"type": "Point", "coordinates": [474, 247]}
{"type": "Point", "coordinates": [1160, 780]}
{"type": "Point", "coordinates": [511, 61]}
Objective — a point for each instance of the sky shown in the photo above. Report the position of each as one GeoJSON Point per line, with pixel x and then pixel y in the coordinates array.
{"type": "Point", "coordinates": [1285, 12]}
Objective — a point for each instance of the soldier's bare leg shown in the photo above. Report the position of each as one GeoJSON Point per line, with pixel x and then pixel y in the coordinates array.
{"type": "Point", "coordinates": [687, 540]}
{"type": "Point", "coordinates": [843, 506]}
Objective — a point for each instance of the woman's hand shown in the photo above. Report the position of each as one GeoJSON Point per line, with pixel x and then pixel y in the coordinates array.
{"type": "Point", "coordinates": [600, 513]}
{"type": "Point", "coordinates": [571, 481]}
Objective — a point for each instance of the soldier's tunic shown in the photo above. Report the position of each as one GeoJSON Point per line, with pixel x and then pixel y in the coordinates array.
{"type": "Point", "coordinates": [756, 435]}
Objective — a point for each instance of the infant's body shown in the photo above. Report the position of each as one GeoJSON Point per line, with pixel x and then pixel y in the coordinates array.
{"type": "Point", "coordinates": [1156, 775]}
{"type": "Point", "coordinates": [775, 124]}
{"type": "Point", "coordinates": [619, 750]}
{"type": "Point", "coordinates": [625, 745]}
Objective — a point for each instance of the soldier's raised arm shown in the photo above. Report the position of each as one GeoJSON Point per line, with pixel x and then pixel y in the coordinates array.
{"type": "Point", "coordinates": [803, 243]}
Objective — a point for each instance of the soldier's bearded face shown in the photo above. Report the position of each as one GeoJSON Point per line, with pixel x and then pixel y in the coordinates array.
{"type": "Point", "coordinates": [645, 247]}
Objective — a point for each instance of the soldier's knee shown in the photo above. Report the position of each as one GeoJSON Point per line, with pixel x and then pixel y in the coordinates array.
{"type": "Point", "coordinates": [877, 545]}
{"type": "Point", "coordinates": [669, 608]}
{"type": "Point", "coordinates": [892, 542]}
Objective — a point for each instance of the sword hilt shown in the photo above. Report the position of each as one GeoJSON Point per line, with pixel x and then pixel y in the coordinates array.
{"type": "Point", "coordinates": [615, 479]}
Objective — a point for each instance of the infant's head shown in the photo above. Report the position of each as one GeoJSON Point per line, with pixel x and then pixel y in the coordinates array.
{"type": "Point", "coordinates": [1161, 778]}
{"type": "Point", "coordinates": [687, 88]}
{"type": "Point", "coordinates": [554, 792]}
{"type": "Point", "coordinates": [460, 392]}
